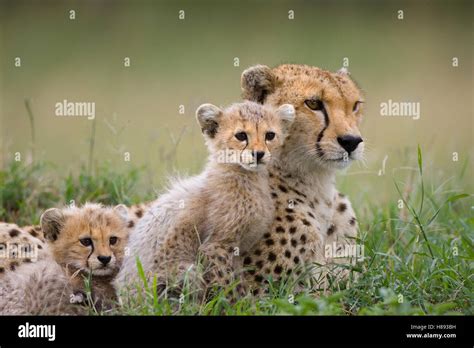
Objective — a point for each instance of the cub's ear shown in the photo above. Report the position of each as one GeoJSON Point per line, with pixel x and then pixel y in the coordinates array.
{"type": "Point", "coordinates": [52, 221]}
{"type": "Point", "coordinates": [122, 212]}
{"type": "Point", "coordinates": [208, 117]}
{"type": "Point", "coordinates": [287, 114]}
{"type": "Point", "coordinates": [257, 82]}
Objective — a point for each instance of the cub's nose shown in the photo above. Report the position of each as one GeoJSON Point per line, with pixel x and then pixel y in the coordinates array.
{"type": "Point", "coordinates": [349, 142]}
{"type": "Point", "coordinates": [104, 259]}
{"type": "Point", "coordinates": [258, 155]}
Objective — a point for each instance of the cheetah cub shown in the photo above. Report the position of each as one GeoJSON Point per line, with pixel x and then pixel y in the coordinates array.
{"type": "Point", "coordinates": [241, 140]}
{"type": "Point", "coordinates": [85, 248]}
{"type": "Point", "coordinates": [222, 212]}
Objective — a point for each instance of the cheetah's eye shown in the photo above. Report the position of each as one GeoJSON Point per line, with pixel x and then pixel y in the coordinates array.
{"type": "Point", "coordinates": [86, 241]}
{"type": "Point", "coordinates": [356, 106]}
{"type": "Point", "coordinates": [113, 240]}
{"type": "Point", "coordinates": [270, 136]}
{"type": "Point", "coordinates": [315, 104]}
{"type": "Point", "coordinates": [241, 136]}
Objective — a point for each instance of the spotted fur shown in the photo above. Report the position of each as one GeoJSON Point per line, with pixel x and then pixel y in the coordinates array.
{"type": "Point", "coordinates": [19, 246]}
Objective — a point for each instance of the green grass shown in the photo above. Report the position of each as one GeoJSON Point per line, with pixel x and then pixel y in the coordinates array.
{"type": "Point", "coordinates": [418, 258]}
{"type": "Point", "coordinates": [27, 190]}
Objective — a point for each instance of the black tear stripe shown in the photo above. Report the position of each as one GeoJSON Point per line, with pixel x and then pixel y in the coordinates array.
{"type": "Point", "coordinates": [92, 251]}
{"type": "Point", "coordinates": [320, 135]}
{"type": "Point", "coordinates": [242, 151]}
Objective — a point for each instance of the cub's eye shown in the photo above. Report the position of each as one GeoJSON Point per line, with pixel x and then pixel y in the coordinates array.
{"type": "Point", "coordinates": [86, 241]}
{"type": "Point", "coordinates": [241, 136]}
{"type": "Point", "coordinates": [356, 106]}
{"type": "Point", "coordinates": [113, 240]}
{"type": "Point", "coordinates": [315, 104]}
{"type": "Point", "coordinates": [270, 136]}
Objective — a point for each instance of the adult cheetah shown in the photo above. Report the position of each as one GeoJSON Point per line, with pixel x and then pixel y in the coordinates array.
{"type": "Point", "coordinates": [311, 215]}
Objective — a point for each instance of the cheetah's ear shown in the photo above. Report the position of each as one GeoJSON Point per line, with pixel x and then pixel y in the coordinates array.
{"type": "Point", "coordinates": [257, 82]}
{"type": "Point", "coordinates": [208, 117]}
{"type": "Point", "coordinates": [52, 221]}
{"type": "Point", "coordinates": [287, 114]}
{"type": "Point", "coordinates": [122, 212]}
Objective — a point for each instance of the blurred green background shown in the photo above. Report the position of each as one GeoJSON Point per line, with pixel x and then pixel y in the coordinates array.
{"type": "Point", "coordinates": [188, 62]}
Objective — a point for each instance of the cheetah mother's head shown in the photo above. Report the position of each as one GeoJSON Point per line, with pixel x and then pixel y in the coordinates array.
{"type": "Point", "coordinates": [325, 133]}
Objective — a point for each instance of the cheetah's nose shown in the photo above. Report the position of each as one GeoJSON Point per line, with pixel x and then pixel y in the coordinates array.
{"type": "Point", "coordinates": [258, 154]}
{"type": "Point", "coordinates": [349, 142]}
{"type": "Point", "coordinates": [104, 259]}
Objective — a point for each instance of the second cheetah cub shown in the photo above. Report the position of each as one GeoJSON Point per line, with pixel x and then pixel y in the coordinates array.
{"type": "Point", "coordinates": [224, 210]}
{"type": "Point", "coordinates": [84, 250]}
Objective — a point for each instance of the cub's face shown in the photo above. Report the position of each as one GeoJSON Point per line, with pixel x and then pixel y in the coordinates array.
{"type": "Point", "coordinates": [91, 238]}
{"type": "Point", "coordinates": [247, 134]}
{"type": "Point", "coordinates": [328, 107]}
